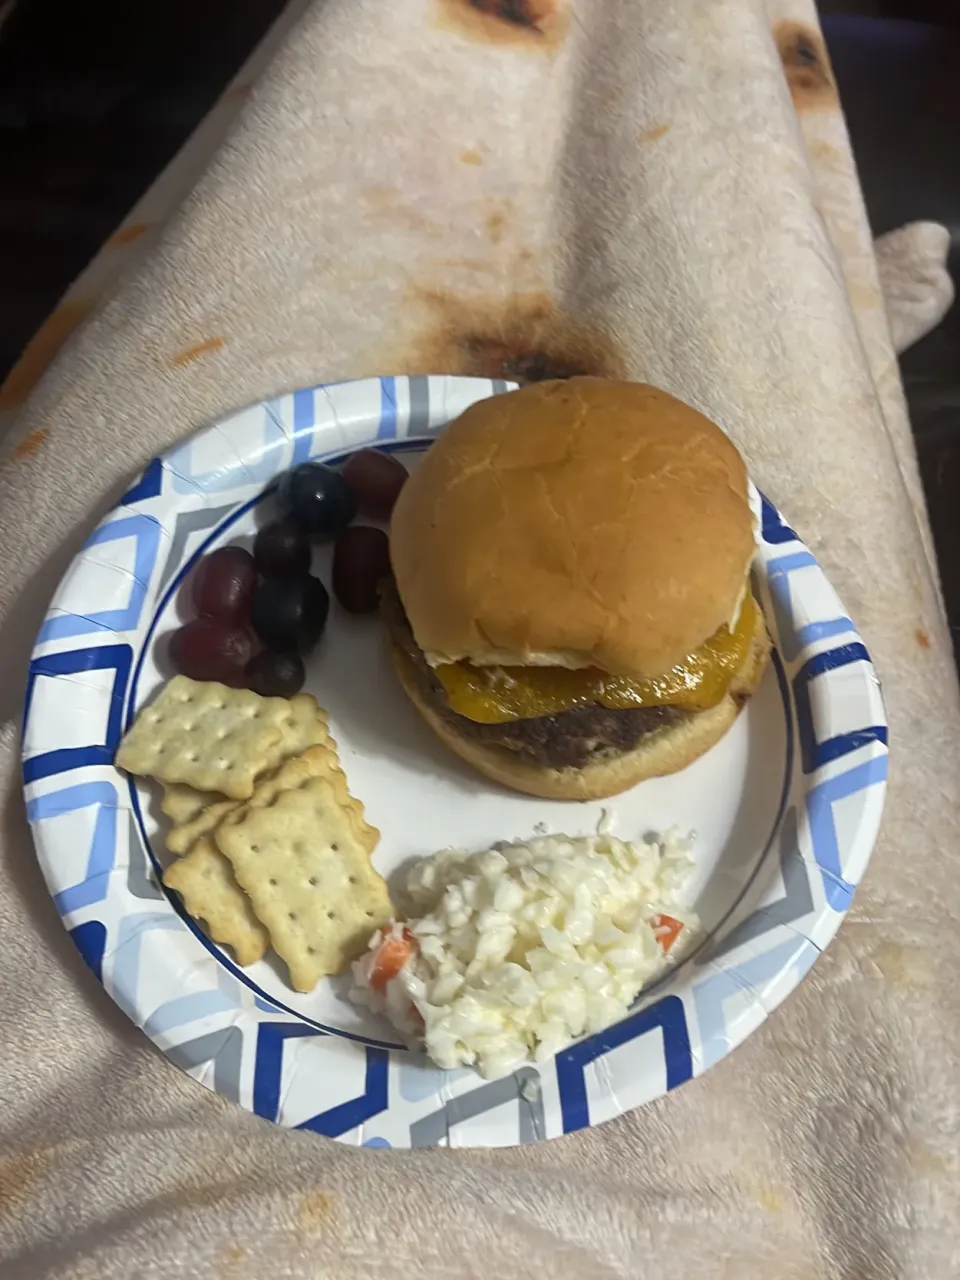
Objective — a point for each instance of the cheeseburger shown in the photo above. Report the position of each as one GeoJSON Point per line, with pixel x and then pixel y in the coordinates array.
{"type": "Point", "coordinates": [570, 608]}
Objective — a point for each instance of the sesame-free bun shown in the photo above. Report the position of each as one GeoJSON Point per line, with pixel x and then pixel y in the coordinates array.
{"type": "Point", "coordinates": [577, 523]}
{"type": "Point", "coordinates": [667, 750]}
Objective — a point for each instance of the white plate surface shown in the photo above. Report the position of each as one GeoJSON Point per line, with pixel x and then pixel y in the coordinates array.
{"type": "Point", "coordinates": [786, 808]}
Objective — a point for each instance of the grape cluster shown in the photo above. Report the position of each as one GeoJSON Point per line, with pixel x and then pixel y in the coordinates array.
{"type": "Point", "coordinates": [261, 613]}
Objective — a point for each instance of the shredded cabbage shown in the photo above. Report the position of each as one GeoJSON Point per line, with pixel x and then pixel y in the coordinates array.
{"type": "Point", "coordinates": [521, 949]}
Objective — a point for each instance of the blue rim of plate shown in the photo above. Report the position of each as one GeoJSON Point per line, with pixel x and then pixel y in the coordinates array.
{"type": "Point", "coordinates": [209, 1018]}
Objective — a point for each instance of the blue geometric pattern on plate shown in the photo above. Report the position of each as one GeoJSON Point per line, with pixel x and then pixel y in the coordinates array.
{"type": "Point", "coordinates": [145, 531]}
{"type": "Point", "coordinates": [816, 754]}
{"type": "Point", "coordinates": [667, 1016]}
{"type": "Point", "coordinates": [117, 657]}
{"type": "Point", "coordinates": [826, 847]}
{"type": "Point", "coordinates": [215, 1023]}
{"type": "Point", "coordinates": [92, 887]}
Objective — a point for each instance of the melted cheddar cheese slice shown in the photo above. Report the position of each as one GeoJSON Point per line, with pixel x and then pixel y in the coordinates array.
{"type": "Point", "coordinates": [497, 695]}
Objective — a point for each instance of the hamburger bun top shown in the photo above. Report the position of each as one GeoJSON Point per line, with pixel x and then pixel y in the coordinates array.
{"type": "Point", "coordinates": [577, 523]}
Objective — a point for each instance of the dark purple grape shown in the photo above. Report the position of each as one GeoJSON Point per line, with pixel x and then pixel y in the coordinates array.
{"type": "Point", "coordinates": [208, 649]}
{"type": "Point", "coordinates": [317, 497]}
{"type": "Point", "coordinates": [281, 550]}
{"type": "Point", "coordinates": [376, 480]}
{"type": "Point", "coordinates": [361, 560]}
{"type": "Point", "coordinates": [289, 614]}
{"type": "Point", "coordinates": [223, 583]}
{"type": "Point", "coordinates": [275, 675]}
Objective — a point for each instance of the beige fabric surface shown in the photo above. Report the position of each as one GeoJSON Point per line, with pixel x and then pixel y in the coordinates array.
{"type": "Point", "coordinates": [917, 288]}
{"type": "Point", "coordinates": [425, 186]}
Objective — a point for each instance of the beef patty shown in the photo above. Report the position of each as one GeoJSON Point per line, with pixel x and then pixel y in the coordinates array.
{"type": "Point", "coordinates": [567, 740]}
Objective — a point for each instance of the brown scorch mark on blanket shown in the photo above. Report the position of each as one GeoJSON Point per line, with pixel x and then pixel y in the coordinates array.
{"type": "Point", "coordinates": [495, 225]}
{"type": "Point", "coordinates": [471, 156]}
{"type": "Point", "coordinates": [382, 205]}
{"type": "Point", "coordinates": [231, 1258]}
{"type": "Point", "coordinates": [903, 968]}
{"type": "Point", "coordinates": [29, 445]}
{"type": "Point", "coordinates": [655, 132]}
{"type": "Point", "coordinates": [806, 65]}
{"type": "Point", "coordinates": [769, 1198]}
{"type": "Point", "coordinates": [536, 24]}
{"type": "Point", "coordinates": [526, 339]}
{"type": "Point", "coordinates": [318, 1210]}
{"type": "Point", "coordinates": [41, 349]}
{"type": "Point", "coordinates": [522, 13]}
{"type": "Point", "coordinates": [825, 152]}
{"type": "Point", "coordinates": [921, 637]}
{"type": "Point", "coordinates": [520, 362]}
{"type": "Point", "coordinates": [128, 235]}
{"type": "Point", "coordinates": [17, 1178]}
{"type": "Point", "coordinates": [199, 349]}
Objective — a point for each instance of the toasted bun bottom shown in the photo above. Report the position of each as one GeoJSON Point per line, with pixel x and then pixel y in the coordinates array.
{"type": "Point", "coordinates": [666, 751]}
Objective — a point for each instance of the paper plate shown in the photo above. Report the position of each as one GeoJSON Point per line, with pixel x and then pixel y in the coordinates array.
{"type": "Point", "coordinates": [786, 809]}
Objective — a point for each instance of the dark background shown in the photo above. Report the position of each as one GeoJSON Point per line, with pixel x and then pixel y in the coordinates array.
{"type": "Point", "coordinates": [95, 98]}
{"type": "Point", "coordinates": [899, 78]}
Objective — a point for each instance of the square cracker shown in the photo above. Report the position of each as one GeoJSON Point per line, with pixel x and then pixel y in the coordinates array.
{"type": "Point", "coordinates": [303, 859]}
{"type": "Point", "coordinates": [316, 762]}
{"type": "Point", "coordinates": [208, 885]}
{"type": "Point", "coordinates": [208, 736]}
{"type": "Point", "coordinates": [203, 811]}
{"type": "Point", "coordinates": [182, 804]}
{"type": "Point", "coordinates": [205, 881]}
{"type": "Point", "coordinates": [181, 839]}
{"type": "Point", "coordinates": [307, 726]}
{"type": "Point", "coordinates": [204, 877]}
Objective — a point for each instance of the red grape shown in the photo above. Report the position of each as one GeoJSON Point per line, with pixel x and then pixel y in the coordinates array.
{"type": "Point", "coordinates": [208, 649]}
{"type": "Point", "coordinates": [361, 560]}
{"type": "Point", "coordinates": [223, 583]}
{"type": "Point", "coordinates": [375, 480]}
{"type": "Point", "coordinates": [281, 550]}
{"type": "Point", "coordinates": [275, 675]}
